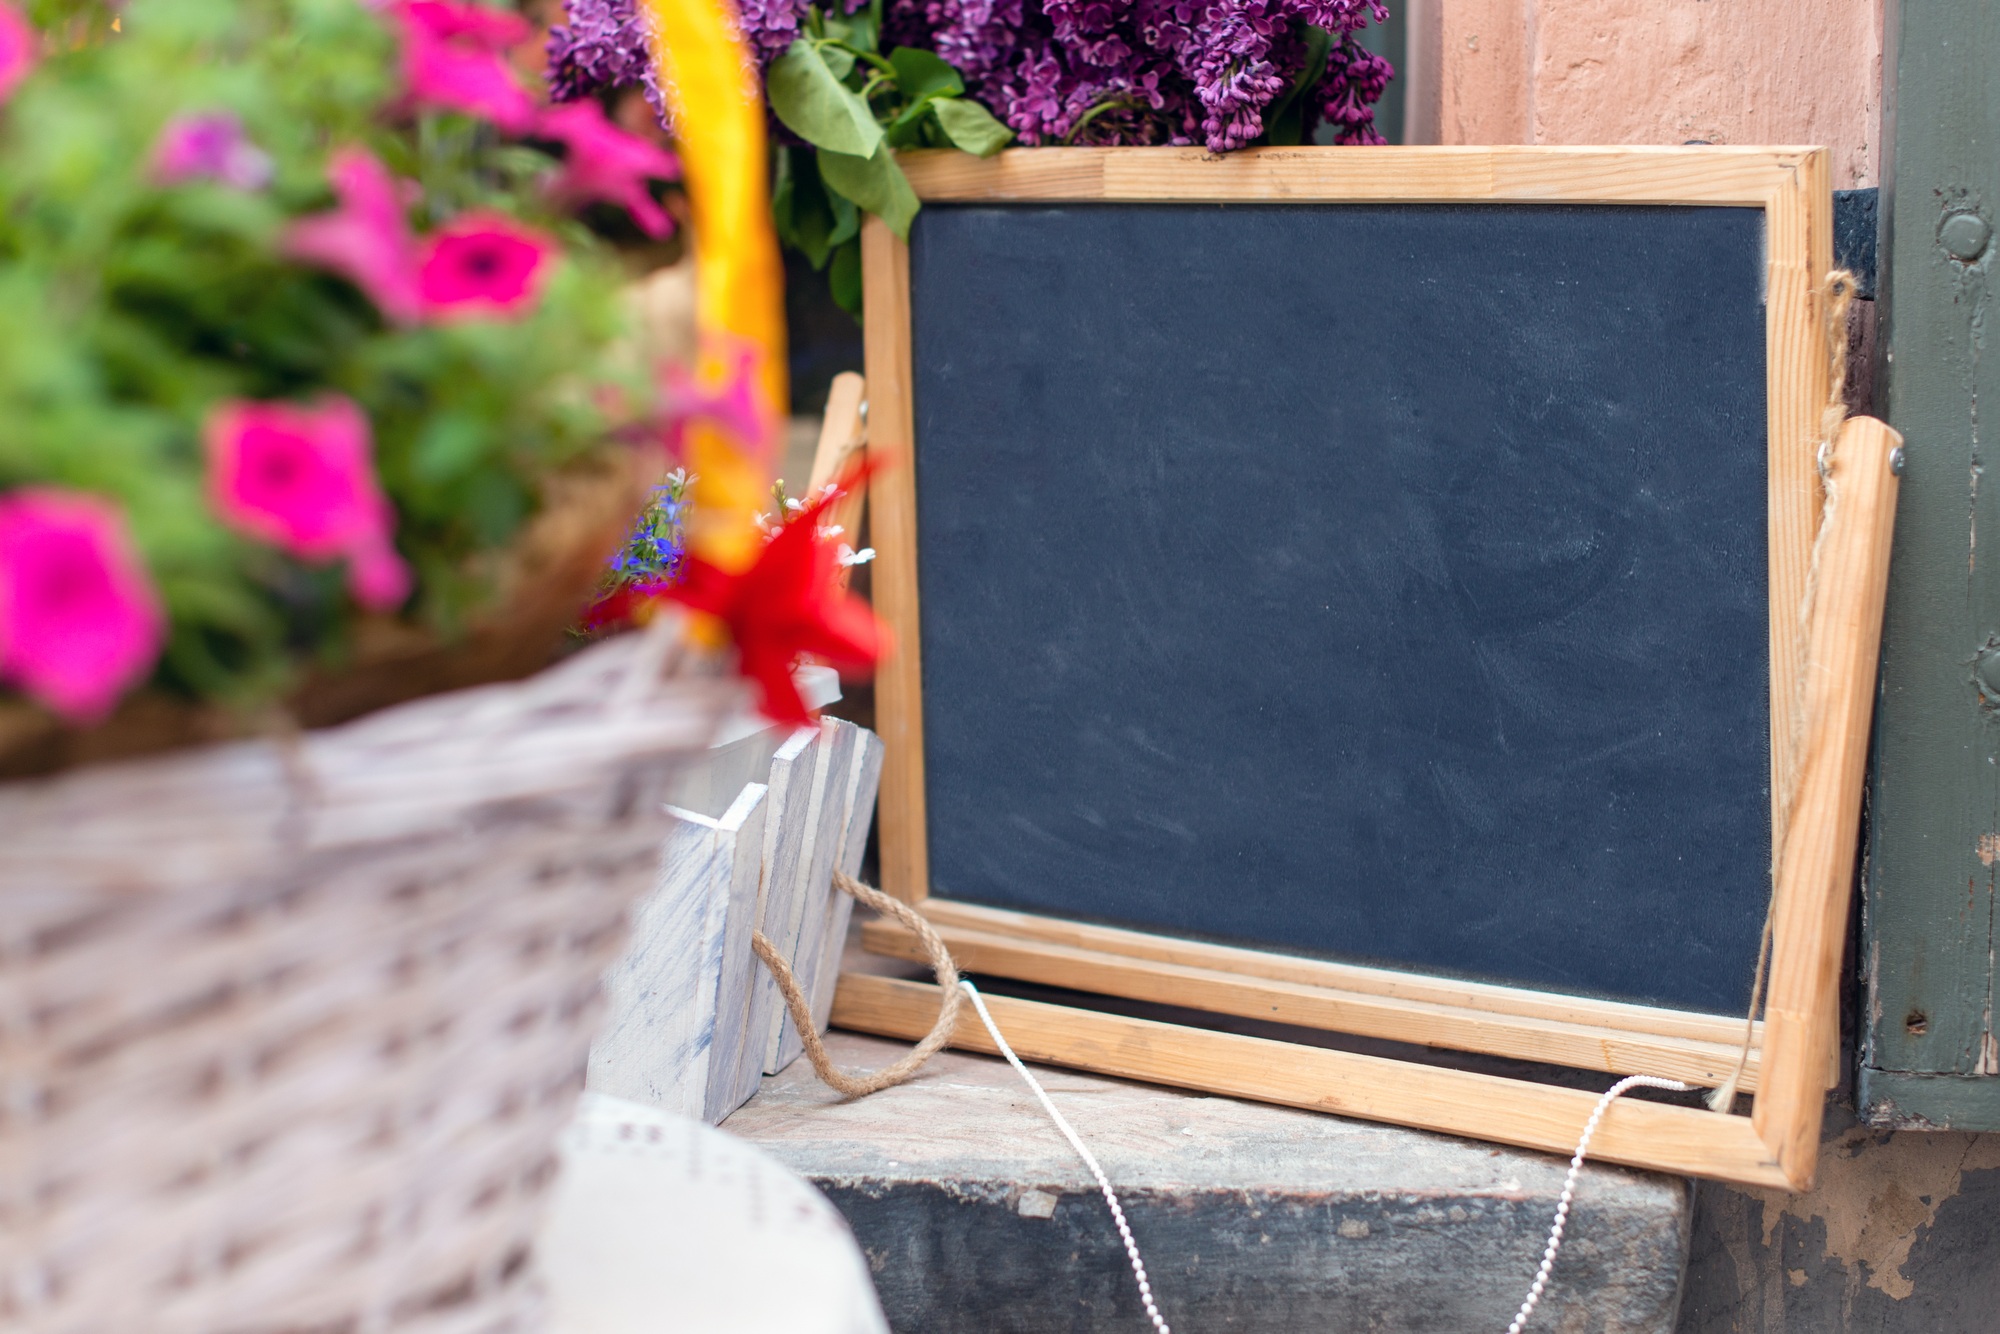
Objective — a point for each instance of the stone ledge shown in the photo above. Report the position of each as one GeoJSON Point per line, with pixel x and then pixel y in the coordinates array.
{"type": "Point", "coordinates": [977, 1217]}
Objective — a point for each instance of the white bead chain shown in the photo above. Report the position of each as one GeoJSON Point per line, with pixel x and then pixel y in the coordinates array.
{"type": "Point", "coordinates": [1535, 1290]}
{"type": "Point", "coordinates": [1569, 1185]}
{"type": "Point", "coordinates": [1103, 1182]}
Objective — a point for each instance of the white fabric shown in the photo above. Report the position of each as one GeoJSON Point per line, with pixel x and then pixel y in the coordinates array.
{"type": "Point", "coordinates": [662, 1223]}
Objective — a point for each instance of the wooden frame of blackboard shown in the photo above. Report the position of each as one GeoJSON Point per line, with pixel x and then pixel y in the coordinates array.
{"type": "Point", "coordinates": [1818, 732]}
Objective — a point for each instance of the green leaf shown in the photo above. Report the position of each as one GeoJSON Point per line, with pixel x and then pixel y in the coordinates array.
{"type": "Point", "coordinates": [846, 219]}
{"type": "Point", "coordinates": [450, 445]}
{"type": "Point", "coordinates": [874, 182]}
{"type": "Point", "coordinates": [865, 29]}
{"type": "Point", "coordinates": [856, 31]}
{"type": "Point", "coordinates": [784, 205]}
{"type": "Point", "coordinates": [922, 74]}
{"type": "Point", "coordinates": [815, 105]}
{"type": "Point", "coordinates": [495, 503]}
{"type": "Point", "coordinates": [971, 126]}
{"type": "Point", "coordinates": [1285, 121]}
{"type": "Point", "coordinates": [907, 129]}
{"type": "Point", "coordinates": [810, 220]}
{"type": "Point", "coordinates": [838, 59]}
{"type": "Point", "coordinates": [844, 278]}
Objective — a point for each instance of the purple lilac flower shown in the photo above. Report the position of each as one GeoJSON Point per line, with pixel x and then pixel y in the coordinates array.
{"type": "Point", "coordinates": [1151, 71]}
{"type": "Point", "coordinates": [212, 147]}
{"type": "Point", "coordinates": [773, 25]}
{"type": "Point", "coordinates": [1354, 82]}
{"type": "Point", "coordinates": [1059, 71]}
{"type": "Point", "coordinates": [602, 46]}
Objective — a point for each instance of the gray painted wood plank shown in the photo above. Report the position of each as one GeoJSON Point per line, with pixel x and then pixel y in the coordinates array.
{"type": "Point", "coordinates": [658, 1038]}
{"type": "Point", "coordinates": [822, 898]}
{"type": "Point", "coordinates": [795, 770]}
{"type": "Point", "coordinates": [694, 1017]}
{"type": "Point", "coordinates": [854, 844]}
{"type": "Point", "coordinates": [801, 933]}
{"type": "Point", "coordinates": [732, 1077]}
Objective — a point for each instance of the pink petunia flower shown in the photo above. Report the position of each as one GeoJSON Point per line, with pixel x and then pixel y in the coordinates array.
{"type": "Point", "coordinates": [735, 406]}
{"type": "Point", "coordinates": [303, 479]}
{"type": "Point", "coordinates": [79, 618]}
{"type": "Point", "coordinates": [19, 49]}
{"type": "Point", "coordinates": [606, 163]}
{"type": "Point", "coordinates": [484, 26]}
{"type": "Point", "coordinates": [483, 264]}
{"type": "Point", "coordinates": [367, 239]}
{"type": "Point", "coordinates": [212, 147]}
{"type": "Point", "coordinates": [454, 59]}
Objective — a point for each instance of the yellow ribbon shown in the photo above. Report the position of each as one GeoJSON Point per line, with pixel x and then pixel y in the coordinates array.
{"type": "Point", "coordinates": [711, 85]}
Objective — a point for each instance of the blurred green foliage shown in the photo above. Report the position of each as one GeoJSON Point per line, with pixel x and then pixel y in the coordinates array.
{"type": "Point", "coordinates": [128, 309]}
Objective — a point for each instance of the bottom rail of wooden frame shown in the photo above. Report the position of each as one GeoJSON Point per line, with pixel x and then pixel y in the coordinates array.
{"type": "Point", "coordinates": [1576, 1032]}
{"type": "Point", "coordinates": [1693, 1141]}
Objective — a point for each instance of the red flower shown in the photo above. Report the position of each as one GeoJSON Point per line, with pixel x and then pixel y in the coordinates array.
{"type": "Point", "coordinates": [622, 605]}
{"type": "Point", "coordinates": [483, 264]}
{"type": "Point", "coordinates": [786, 604]}
{"type": "Point", "coordinates": [605, 163]}
{"type": "Point", "coordinates": [453, 58]}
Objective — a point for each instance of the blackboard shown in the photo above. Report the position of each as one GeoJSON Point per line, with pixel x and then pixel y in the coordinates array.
{"type": "Point", "coordinates": [1384, 583]}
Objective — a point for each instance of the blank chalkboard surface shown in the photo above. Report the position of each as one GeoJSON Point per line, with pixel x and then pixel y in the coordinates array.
{"type": "Point", "coordinates": [1366, 590]}
{"type": "Point", "coordinates": [1383, 583]}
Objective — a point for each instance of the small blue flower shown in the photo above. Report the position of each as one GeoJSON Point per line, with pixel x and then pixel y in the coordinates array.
{"type": "Point", "coordinates": [655, 548]}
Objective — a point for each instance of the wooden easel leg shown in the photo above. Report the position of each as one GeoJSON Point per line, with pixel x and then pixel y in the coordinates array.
{"type": "Point", "coordinates": [1816, 866]}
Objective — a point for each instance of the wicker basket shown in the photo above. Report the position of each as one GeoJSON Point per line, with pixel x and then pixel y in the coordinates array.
{"type": "Point", "coordinates": [290, 1028]}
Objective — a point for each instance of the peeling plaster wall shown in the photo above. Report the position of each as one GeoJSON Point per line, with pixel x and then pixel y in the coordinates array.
{"type": "Point", "coordinates": [1900, 1236]}
{"type": "Point", "coordinates": [1664, 72]}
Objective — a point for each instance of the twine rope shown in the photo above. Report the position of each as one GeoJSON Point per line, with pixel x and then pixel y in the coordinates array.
{"type": "Point", "coordinates": [1838, 294]}
{"type": "Point", "coordinates": [855, 1084]}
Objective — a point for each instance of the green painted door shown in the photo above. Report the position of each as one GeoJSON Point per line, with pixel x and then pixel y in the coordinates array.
{"type": "Point", "coordinates": [1928, 1052]}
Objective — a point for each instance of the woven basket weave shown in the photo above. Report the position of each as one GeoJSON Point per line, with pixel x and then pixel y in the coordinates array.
{"type": "Point", "coordinates": [289, 1029]}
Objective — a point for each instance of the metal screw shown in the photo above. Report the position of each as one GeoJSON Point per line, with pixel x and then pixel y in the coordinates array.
{"type": "Point", "coordinates": [1896, 460]}
{"type": "Point", "coordinates": [1964, 236]}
